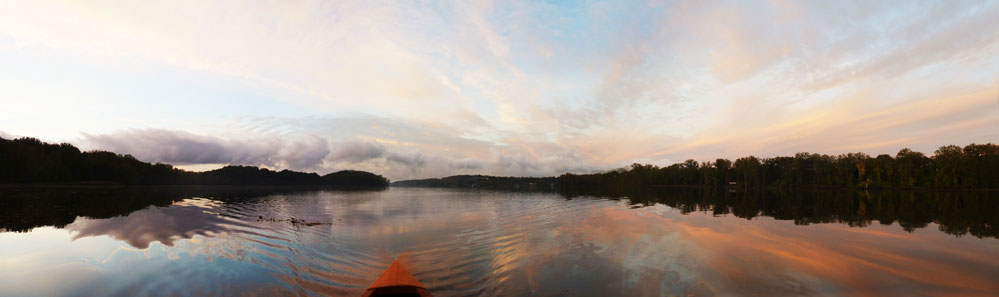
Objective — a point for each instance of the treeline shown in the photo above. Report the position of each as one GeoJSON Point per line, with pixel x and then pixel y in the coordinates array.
{"type": "Point", "coordinates": [22, 209]}
{"type": "Point", "coordinates": [28, 160]}
{"type": "Point", "coordinates": [957, 212]}
{"type": "Point", "coordinates": [973, 166]}
{"type": "Point", "coordinates": [249, 175]}
{"type": "Point", "coordinates": [483, 182]}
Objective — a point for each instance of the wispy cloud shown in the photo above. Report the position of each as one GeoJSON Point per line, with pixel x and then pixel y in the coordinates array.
{"type": "Point", "coordinates": [417, 89]}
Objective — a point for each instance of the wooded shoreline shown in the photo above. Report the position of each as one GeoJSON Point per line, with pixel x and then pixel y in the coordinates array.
{"type": "Point", "coordinates": [31, 161]}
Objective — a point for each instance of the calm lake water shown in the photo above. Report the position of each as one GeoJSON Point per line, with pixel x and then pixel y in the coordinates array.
{"type": "Point", "coordinates": [198, 242]}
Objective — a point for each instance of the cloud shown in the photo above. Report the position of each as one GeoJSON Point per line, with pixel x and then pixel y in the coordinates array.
{"type": "Point", "coordinates": [181, 147]}
{"type": "Point", "coordinates": [314, 153]}
{"type": "Point", "coordinates": [417, 89]}
{"type": "Point", "coordinates": [309, 152]}
{"type": "Point", "coordinates": [356, 151]}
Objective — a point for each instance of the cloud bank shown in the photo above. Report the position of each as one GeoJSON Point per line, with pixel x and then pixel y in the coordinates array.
{"type": "Point", "coordinates": [416, 89]}
{"type": "Point", "coordinates": [313, 153]}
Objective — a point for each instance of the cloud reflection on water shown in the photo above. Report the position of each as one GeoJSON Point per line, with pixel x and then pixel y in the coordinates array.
{"type": "Point", "coordinates": [470, 243]}
{"type": "Point", "coordinates": [613, 251]}
{"type": "Point", "coordinates": [770, 257]}
{"type": "Point", "coordinates": [182, 220]}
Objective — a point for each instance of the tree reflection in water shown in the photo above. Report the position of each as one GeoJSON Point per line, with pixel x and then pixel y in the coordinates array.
{"type": "Point", "coordinates": [957, 212]}
{"type": "Point", "coordinates": [489, 243]}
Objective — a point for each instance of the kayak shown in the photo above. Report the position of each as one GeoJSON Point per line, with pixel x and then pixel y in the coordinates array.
{"type": "Point", "coordinates": [396, 281]}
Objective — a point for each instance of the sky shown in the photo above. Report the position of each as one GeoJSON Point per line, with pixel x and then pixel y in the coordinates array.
{"type": "Point", "coordinates": [420, 89]}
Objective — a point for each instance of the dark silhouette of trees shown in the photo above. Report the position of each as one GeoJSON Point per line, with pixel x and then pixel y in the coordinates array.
{"type": "Point", "coordinates": [354, 178]}
{"type": "Point", "coordinates": [28, 160]}
{"type": "Point", "coordinates": [957, 212]}
{"type": "Point", "coordinates": [483, 182]}
{"type": "Point", "coordinates": [974, 166]}
{"type": "Point", "coordinates": [24, 208]}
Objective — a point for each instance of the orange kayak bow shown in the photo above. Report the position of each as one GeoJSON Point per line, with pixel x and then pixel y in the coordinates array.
{"type": "Point", "coordinates": [396, 281]}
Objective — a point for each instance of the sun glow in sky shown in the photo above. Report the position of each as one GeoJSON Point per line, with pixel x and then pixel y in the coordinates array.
{"type": "Point", "coordinates": [428, 89]}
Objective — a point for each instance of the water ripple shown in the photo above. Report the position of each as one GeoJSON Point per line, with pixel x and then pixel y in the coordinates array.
{"type": "Point", "coordinates": [468, 243]}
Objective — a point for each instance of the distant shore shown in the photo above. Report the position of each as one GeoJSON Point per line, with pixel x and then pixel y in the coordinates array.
{"type": "Point", "coordinates": [114, 186]}
{"type": "Point", "coordinates": [31, 161]}
{"type": "Point", "coordinates": [842, 188]}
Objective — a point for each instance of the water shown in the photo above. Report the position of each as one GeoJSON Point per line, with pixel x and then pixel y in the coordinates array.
{"type": "Point", "coordinates": [198, 242]}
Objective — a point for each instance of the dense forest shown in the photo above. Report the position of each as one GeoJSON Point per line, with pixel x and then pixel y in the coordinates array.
{"type": "Point", "coordinates": [28, 160]}
{"type": "Point", "coordinates": [973, 166]}
{"type": "Point", "coordinates": [957, 212]}
{"type": "Point", "coordinates": [483, 182]}
{"type": "Point", "coordinates": [22, 209]}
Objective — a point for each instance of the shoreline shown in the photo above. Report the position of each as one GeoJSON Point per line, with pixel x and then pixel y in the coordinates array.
{"type": "Point", "coordinates": [116, 186]}
{"type": "Point", "coordinates": [835, 188]}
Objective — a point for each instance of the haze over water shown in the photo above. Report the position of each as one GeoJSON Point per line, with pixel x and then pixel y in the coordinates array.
{"type": "Point", "coordinates": [485, 243]}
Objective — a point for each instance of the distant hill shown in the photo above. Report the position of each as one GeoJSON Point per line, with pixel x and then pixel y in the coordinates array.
{"type": "Point", "coordinates": [29, 160]}
{"type": "Point", "coordinates": [484, 182]}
